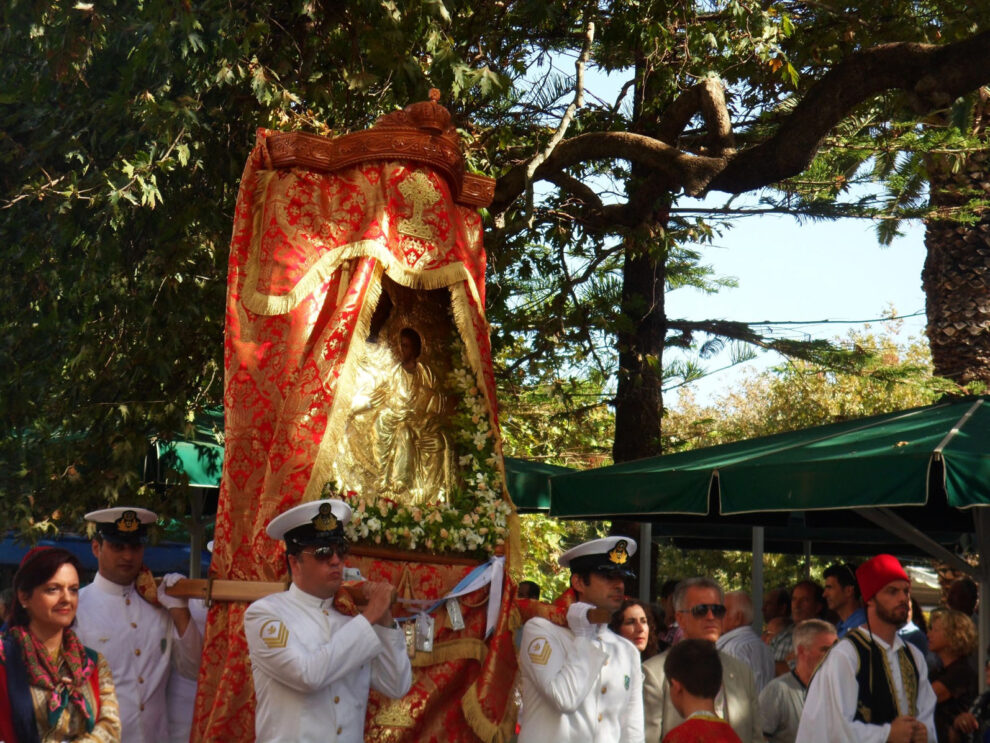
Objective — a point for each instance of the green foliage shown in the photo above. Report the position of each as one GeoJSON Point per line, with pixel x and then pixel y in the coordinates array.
{"type": "Point", "coordinates": [734, 569]}
{"type": "Point", "coordinates": [800, 394]}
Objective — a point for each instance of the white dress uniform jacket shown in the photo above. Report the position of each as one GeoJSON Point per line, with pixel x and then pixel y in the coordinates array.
{"type": "Point", "coordinates": [313, 667]}
{"type": "Point", "coordinates": [579, 685]}
{"type": "Point", "coordinates": [141, 646]}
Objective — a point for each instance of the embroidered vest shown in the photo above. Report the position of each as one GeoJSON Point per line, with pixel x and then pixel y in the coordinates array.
{"type": "Point", "coordinates": [876, 703]}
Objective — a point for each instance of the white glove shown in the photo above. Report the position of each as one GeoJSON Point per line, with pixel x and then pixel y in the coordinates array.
{"type": "Point", "coordinates": [577, 620]}
{"type": "Point", "coordinates": [171, 602]}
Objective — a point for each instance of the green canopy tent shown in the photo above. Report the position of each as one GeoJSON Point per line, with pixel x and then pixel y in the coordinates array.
{"type": "Point", "coordinates": [914, 473]}
{"type": "Point", "coordinates": [529, 483]}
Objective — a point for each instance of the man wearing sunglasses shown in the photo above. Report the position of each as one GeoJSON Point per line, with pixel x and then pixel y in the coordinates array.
{"type": "Point", "coordinates": [582, 682]}
{"type": "Point", "coordinates": [312, 665]}
{"type": "Point", "coordinates": [700, 608]}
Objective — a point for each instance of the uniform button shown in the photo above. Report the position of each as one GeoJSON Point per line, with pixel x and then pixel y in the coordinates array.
{"type": "Point", "coordinates": [336, 700]}
{"type": "Point", "coordinates": [134, 625]}
{"type": "Point", "coordinates": [599, 718]}
{"type": "Point", "coordinates": [326, 612]}
{"type": "Point", "coordinates": [140, 679]}
{"type": "Point", "coordinates": [142, 709]}
{"type": "Point", "coordinates": [137, 651]}
{"type": "Point", "coordinates": [603, 689]}
{"type": "Point", "coordinates": [339, 730]}
{"type": "Point", "coordinates": [127, 601]}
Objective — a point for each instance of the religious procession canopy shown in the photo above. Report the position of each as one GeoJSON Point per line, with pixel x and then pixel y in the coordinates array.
{"type": "Point", "coordinates": [913, 457]}
{"type": "Point", "coordinates": [358, 364]}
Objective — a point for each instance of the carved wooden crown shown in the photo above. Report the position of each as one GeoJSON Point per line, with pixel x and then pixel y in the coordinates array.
{"type": "Point", "coordinates": [421, 132]}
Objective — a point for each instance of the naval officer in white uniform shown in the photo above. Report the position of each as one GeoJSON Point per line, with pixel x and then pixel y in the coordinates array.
{"type": "Point", "coordinates": [312, 665]}
{"type": "Point", "coordinates": [583, 682]}
{"type": "Point", "coordinates": [143, 633]}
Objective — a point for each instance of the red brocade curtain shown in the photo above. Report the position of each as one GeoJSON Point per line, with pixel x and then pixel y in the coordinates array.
{"type": "Point", "coordinates": [308, 254]}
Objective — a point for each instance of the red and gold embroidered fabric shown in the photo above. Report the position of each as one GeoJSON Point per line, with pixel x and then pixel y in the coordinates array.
{"type": "Point", "coordinates": [308, 253]}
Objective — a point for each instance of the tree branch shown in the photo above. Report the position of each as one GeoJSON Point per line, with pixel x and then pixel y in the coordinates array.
{"type": "Point", "coordinates": [578, 102]}
{"type": "Point", "coordinates": [933, 75]}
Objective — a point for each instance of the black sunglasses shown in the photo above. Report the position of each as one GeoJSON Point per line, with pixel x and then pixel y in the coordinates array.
{"type": "Point", "coordinates": [325, 554]}
{"type": "Point", "coordinates": [699, 611]}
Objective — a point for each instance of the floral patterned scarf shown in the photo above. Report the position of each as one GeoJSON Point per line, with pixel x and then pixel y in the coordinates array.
{"type": "Point", "coordinates": [62, 689]}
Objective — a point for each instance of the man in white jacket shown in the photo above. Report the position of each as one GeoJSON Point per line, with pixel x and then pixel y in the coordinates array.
{"type": "Point", "coordinates": [583, 682]}
{"type": "Point", "coordinates": [144, 634]}
{"type": "Point", "coordinates": [312, 665]}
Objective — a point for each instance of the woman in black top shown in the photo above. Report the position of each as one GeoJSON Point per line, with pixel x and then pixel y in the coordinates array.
{"type": "Point", "coordinates": [952, 637]}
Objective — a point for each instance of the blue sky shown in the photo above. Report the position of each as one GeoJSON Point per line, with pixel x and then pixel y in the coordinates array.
{"type": "Point", "coordinates": [813, 271]}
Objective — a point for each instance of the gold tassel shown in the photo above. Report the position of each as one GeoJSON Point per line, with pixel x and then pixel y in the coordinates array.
{"type": "Point", "coordinates": [478, 721]}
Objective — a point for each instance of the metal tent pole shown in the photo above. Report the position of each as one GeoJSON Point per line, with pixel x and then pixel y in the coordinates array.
{"type": "Point", "coordinates": [645, 566]}
{"type": "Point", "coordinates": [757, 584]}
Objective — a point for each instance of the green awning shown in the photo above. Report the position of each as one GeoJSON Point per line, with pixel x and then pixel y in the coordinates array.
{"type": "Point", "coordinates": [885, 460]}
{"type": "Point", "coordinates": [200, 458]}
{"type": "Point", "coordinates": [529, 482]}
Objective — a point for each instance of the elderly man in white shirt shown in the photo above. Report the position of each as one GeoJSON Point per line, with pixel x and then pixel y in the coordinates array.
{"type": "Point", "coordinates": [313, 666]}
{"type": "Point", "coordinates": [143, 633]}
{"type": "Point", "coordinates": [740, 640]}
{"type": "Point", "coordinates": [872, 687]}
{"type": "Point", "coordinates": [582, 682]}
{"type": "Point", "coordinates": [782, 701]}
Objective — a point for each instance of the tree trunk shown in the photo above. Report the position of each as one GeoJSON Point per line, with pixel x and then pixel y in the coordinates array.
{"type": "Point", "coordinates": [638, 402]}
{"type": "Point", "coordinates": [956, 276]}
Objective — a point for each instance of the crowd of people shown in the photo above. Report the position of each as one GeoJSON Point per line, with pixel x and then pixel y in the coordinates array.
{"type": "Point", "coordinates": [849, 660]}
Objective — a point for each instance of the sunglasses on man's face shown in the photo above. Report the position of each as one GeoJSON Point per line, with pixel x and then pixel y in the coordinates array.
{"type": "Point", "coordinates": [700, 611]}
{"type": "Point", "coordinates": [325, 554]}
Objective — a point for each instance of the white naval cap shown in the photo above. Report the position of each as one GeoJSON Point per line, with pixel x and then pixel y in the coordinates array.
{"type": "Point", "coordinates": [320, 521]}
{"type": "Point", "coordinates": [122, 523]}
{"type": "Point", "coordinates": [609, 554]}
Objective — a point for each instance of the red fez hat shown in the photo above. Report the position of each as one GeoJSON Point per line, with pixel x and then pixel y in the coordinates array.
{"type": "Point", "coordinates": [33, 552]}
{"type": "Point", "coordinates": [877, 572]}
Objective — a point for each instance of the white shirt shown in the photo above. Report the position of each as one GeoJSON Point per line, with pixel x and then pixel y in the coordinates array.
{"type": "Point", "coordinates": [313, 667]}
{"type": "Point", "coordinates": [579, 687]}
{"type": "Point", "coordinates": [781, 703]}
{"type": "Point", "coordinates": [833, 693]}
{"type": "Point", "coordinates": [141, 646]}
{"type": "Point", "coordinates": [181, 691]}
{"type": "Point", "coordinates": [743, 643]}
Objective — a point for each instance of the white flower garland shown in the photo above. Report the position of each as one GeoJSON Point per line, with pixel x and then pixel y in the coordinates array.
{"type": "Point", "coordinates": [474, 518]}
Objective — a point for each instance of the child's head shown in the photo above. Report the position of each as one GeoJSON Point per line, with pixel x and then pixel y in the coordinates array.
{"type": "Point", "coordinates": [694, 671]}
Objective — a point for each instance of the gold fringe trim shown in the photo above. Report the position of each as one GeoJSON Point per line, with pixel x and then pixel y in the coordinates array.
{"type": "Point", "coordinates": [464, 648]}
{"type": "Point", "coordinates": [263, 179]}
{"type": "Point", "coordinates": [488, 731]}
{"type": "Point", "coordinates": [327, 265]}
{"type": "Point", "coordinates": [323, 463]}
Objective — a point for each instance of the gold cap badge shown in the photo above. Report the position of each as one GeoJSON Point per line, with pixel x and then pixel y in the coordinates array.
{"type": "Point", "coordinates": [127, 522]}
{"type": "Point", "coordinates": [618, 554]}
{"type": "Point", "coordinates": [325, 520]}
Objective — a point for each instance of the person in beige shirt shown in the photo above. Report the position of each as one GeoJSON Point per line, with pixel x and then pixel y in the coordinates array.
{"type": "Point", "coordinates": [700, 609]}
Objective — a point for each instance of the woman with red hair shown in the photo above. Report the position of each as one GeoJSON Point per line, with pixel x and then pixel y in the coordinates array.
{"type": "Point", "coordinates": [52, 688]}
